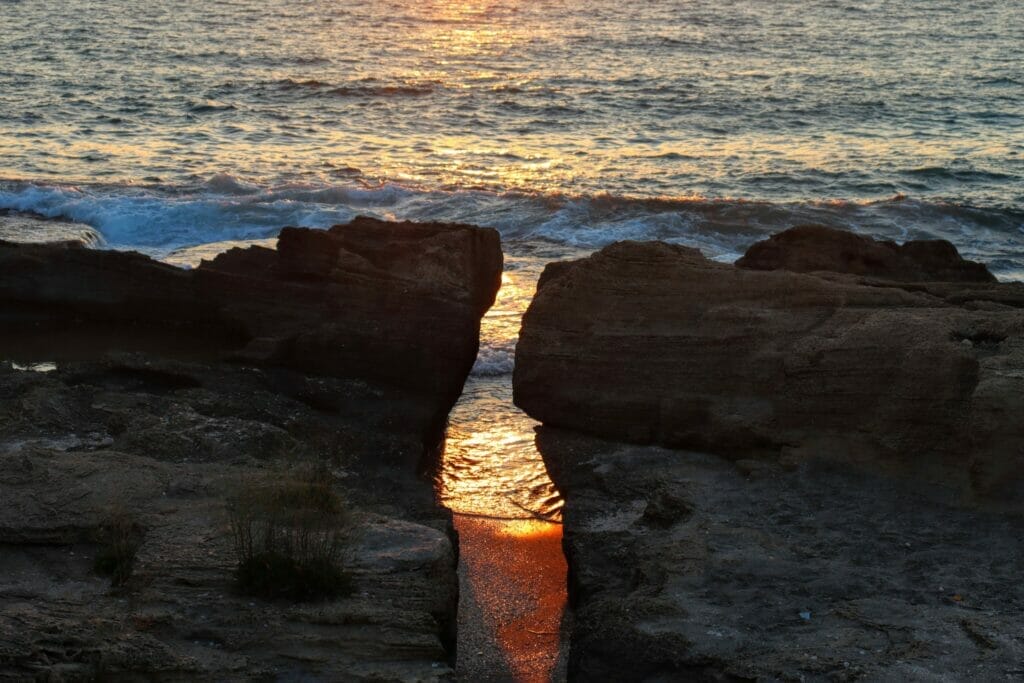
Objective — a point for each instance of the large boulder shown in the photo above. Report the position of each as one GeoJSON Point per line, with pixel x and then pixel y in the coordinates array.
{"type": "Point", "coordinates": [774, 475]}
{"type": "Point", "coordinates": [653, 343]}
{"type": "Point", "coordinates": [132, 387]}
{"type": "Point", "coordinates": [389, 303]}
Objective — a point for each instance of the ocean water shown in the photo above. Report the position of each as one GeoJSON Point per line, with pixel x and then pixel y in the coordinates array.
{"type": "Point", "coordinates": [180, 128]}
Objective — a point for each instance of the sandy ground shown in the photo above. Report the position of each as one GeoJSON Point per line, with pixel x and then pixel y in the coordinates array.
{"type": "Point", "coordinates": [512, 612]}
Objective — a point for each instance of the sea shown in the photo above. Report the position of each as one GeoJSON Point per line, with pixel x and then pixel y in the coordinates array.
{"type": "Point", "coordinates": [180, 129]}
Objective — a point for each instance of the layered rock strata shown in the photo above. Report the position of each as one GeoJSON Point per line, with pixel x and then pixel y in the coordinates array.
{"type": "Point", "coordinates": [136, 388]}
{"type": "Point", "coordinates": [653, 343]}
{"type": "Point", "coordinates": [776, 475]}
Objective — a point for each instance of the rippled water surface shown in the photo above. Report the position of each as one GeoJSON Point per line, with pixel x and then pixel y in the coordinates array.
{"type": "Point", "coordinates": [784, 100]}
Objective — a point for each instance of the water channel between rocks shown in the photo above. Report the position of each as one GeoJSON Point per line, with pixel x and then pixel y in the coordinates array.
{"type": "Point", "coordinates": [513, 612]}
{"type": "Point", "coordinates": [512, 571]}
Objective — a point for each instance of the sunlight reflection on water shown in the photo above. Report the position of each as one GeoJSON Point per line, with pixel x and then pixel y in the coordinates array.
{"type": "Point", "coordinates": [507, 512]}
{"type": "Point", "coordinates": [491, 467]}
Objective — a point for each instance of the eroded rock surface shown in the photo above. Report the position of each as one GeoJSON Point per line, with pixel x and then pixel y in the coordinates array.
{"type": "Point", "coordinates": [154, 393]}
{"type": "Point", "coordinates": [826, 480]}
{"type": "Point", "coordinates": [166, 443]}
{"type": "Point", "coordinates": [653, 343]}
{"type": "Point", "coordinates": [690, 567]}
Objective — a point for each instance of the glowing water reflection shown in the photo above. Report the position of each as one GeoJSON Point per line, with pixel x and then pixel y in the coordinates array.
{"type": "Point", "coordinates": [507, 512]}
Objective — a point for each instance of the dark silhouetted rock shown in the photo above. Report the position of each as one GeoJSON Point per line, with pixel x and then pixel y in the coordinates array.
{"type": "Point", "coordinates": [341, 351]}
{"type": "Point", "coordinates": [810, 248]}
{"type": "Point", "coordinates": [393, 303]}
{"type": "Point", "coordinates": [653, 343]}
{"type": "Point", "coordinates": [849, 504]}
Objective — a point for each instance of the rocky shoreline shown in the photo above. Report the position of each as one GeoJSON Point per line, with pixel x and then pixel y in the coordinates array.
{"type": "Point", "coordinates": [131, 385]}
{"type": "Point", "coordinates": [807, 466]}
{"type": "Point", "coordinates": [804, 466]}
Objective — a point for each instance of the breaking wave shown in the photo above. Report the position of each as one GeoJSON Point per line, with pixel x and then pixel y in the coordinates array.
{"type": "Point", "coordinates": [161, 219]}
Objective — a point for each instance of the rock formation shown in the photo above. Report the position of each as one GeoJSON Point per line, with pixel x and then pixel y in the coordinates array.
{"type": "Point", "coordinates": [811, 248]}
{"type": "Point", "coordinates": [781, 475]}
{"type": "Point", "coordinates": [653, 343]}
{"type": "Point", "coordinates": [686, 566]}
{"type": "Point", "coordinates": [143, 389]}
{"type": "Point", "coordinates": [393, 303]}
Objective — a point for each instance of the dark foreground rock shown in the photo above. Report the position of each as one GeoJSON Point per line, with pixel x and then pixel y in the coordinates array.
{"type": "Point", "coordinates": [391, 303]}
{"type": "Point", "coordinates": [844, 497]}
{"type": "Point", "coordinates": [689, 567]}
{"type": "Point", "coordinates": [170, 389]}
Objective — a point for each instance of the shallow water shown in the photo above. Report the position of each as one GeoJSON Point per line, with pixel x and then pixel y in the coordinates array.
{"type": "Point", "coordinates": [507, 511]}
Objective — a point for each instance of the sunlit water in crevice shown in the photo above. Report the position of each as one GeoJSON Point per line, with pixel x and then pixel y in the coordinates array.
{"type": "Point", "coordinates": [507, 511]}
{"type": "Point", "coordinates": [491, 467]}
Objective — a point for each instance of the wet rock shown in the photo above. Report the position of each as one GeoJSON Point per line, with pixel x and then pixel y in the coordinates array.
{"type": "Point", "coordinates": [811, 248]}
{"type": "Point", "coordinates": [19, 226]}
{"type": "Point", "coordinates": [653, 343]}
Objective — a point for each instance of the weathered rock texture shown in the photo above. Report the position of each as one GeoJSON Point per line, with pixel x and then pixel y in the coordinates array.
{"type": "Point", "coordinates": [393, 303]}
{"type": "Point", "coordinates": [165, 444]}
{"type": "Point", "coordinates": [653, 343]}
{"type": "Point", "coordinates": [857, 506]}
{"type": "Point", "coordinates": [343, 348]}
{"type": "Point", "coordinates": [689, 567]}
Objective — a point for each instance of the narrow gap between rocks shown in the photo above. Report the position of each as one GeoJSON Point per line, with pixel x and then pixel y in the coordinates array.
{"type": "Point", "coordinates": [513, 612]}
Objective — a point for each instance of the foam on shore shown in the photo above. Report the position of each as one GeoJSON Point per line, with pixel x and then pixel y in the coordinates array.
{"type": "Point", "coordinates": [163, 219]}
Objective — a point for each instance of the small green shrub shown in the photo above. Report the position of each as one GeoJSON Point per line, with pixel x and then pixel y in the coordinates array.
{"type": "Point", "coordinates": [119, 536]}
{"type": "Point", "coordinates": [290, 534]}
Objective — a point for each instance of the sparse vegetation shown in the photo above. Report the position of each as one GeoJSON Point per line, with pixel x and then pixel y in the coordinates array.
{"type": "Point", "coordinates": [119, 536]}
{"type": "Point", "coordinates": [290, 533]}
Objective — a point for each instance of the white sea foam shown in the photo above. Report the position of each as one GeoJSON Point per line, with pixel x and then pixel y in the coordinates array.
{"type": "Point", "coordinates": [493, 362]}
{"type": "Point", "coordinates": [159, 223]}
{"type": "Point", "coordinates": [160, 220]}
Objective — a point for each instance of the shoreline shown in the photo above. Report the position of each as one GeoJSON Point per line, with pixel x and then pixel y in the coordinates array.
{"type": "Point", "coordinates": [814, 458]}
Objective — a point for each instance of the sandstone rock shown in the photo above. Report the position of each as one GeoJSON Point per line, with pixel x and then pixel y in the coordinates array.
{"type": "Point", "coordinates": [179, 617]}
{"type": "Point", "coordinates": [392, 303]}
{"type": "Point", "coordinates": [166, 442]}
{"type": "Point", "coordinates": [653, 343]}
{"type": "Point", "coordinates": [819, 573]}
{"type": "Point", "coordinates": [855, 508]}
{"type": "Point", "coordinates": [811, 248]}
{"type": "Point", "coordinates": [162, 389]}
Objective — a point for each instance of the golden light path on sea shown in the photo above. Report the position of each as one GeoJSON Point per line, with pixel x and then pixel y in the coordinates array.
{"type": "Point", "coordinates": [507, 514]}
